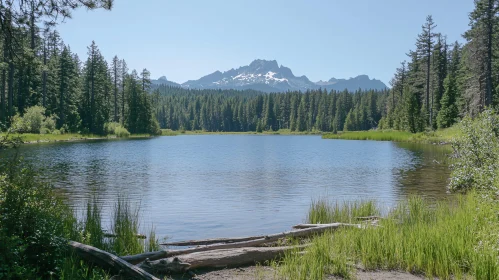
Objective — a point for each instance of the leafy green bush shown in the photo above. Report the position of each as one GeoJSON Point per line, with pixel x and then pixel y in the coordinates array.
{"type": "Point", "coordinates": [35, 226]}
{"type": "Point", "coordinates": [476, 153]}
{"type": "Point", "coordinates": [116, 129]}
{"type": "Point", "coordinates": [121, 132]}
{"type": "Point", "coordinates": [154, 129]}
{"type": "Point", "coordinates": [34, 121]}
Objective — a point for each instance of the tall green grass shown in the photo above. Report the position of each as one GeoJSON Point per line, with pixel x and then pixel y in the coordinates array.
{"type": "Point", "coordinates": [449, 240]}
{"type": "Point", "coordinates": [124, 223]}
{"type": "Point", "coordinates": [439, 136]}
{"type": "Point", "coordinates": [322, 211]}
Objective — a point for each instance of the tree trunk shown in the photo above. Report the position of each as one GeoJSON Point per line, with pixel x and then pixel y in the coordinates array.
{"type": "Point", "coordinates": [116, 91]}
{"type": "Point", "coordinates": [20, 97]}
{"type": "Point", "coordinates": [92, 88]}
{"type": "Point", "coordinates": [333, 225]}
{"type": "Point", "coordinates": [4, 88]}
{"type": "Point", "coordinates": [212, 241]}
{"type": "Point", "coordinates": [108, 261]}
{"type": "Point", "coordinates": [216, 259]}
{"type": "Point", "coordinates": [250, 243]}
{"type": "Point", "coordinates": [428, 69]}
{"type": "Point", "coordinates": [44, 76]}
{"type": "Point", "coordinates": [488, 77]}
{"type": "Point", "coordinates": [10, 86]}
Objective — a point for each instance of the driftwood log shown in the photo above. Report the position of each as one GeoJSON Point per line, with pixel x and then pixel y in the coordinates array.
{"type": "Point", "coordinates": [211, 241]}
{"type": "Point", "coordinates": [112, 235]}
{"type": "Point", "coordinates": [334, 225]}
{"type": "Point", "coordinates": [218, 258]}
{"type": "Point", "coordinates": [135, 259]}
{"type": "Point", "coordinates": [109, 261]}
{"type": "Point", "coordinates": [369, 218]}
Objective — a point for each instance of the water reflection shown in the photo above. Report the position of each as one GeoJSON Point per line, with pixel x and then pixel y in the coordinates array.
{"type": "Point", "coordinates": [227, 185]}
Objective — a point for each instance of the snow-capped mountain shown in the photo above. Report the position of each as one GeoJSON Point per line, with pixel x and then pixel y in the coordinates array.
{"type": "Point", "coordinates": [260, 75]}
{"type": "Point", "coordinates": [268, 76]}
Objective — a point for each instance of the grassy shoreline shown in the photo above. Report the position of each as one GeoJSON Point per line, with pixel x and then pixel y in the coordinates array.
{"type": "Point", "coordinates": [449, 240]}
{"type": "Point", "coordinates": [31, 138]}
{"type": "Point", "coordinates": [444, 136]}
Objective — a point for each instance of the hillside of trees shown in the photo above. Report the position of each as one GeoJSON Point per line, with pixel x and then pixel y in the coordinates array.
{"type": "Point", "coordinates": [318, 110]}
{"type": "Point", "coordinates": [440, 84]}
{"type": "Point", "coordinates": [38, 69]}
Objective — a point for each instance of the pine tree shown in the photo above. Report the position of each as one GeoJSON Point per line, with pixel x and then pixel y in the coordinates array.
{"type": "Point", "coordinates": [424, 48]}
{"type": "Point", "coordinates": [448, 113]}
{"type": "Point", "coordinates": [481, 39]}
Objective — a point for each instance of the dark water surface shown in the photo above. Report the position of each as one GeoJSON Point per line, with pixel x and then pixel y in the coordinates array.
{"type": "Point", "coordinates": [235, 185]}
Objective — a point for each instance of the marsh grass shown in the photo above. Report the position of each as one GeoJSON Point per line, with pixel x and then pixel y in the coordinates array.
{"type": "Point", "coordinates": [125, 224]}
{"type": "Point", "coordinates": [449, 240]}
{"type": "Point", "coordinates": [439, 136]}
{"type": "Point", "coordinates": [322, 211]}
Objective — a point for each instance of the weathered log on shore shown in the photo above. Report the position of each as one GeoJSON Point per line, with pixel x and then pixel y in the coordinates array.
{"type": "Point", "coordinates": [135, 259]}
{"type": "Point", "coordinates": [212, 241]}
{"type": "Point", "coordinates": [112, 235]}
{"type": "Point", "coordinates": [109, 261]}
{"type": "Point", "coordinates": [333, 225]}
{"type": "Point", "coordinates": [219, 258]}
{"type": "Point", "coordinates": [369, 218]}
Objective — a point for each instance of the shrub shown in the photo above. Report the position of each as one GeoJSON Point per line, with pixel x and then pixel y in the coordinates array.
{"type": "Point", "coordinates": [121, 132]}
{"type": "Point", "coordinates": [35, 225]}
{"type": "Point", "coordinates": [34, 121]}
{"type": "Point", "coordinates": [49, 123]}
{"type": "Point", "coordinates": [476, 154]}
{"type": "Point", "coordinates": [155, 129]}
{"type": "Point", "coordinates": [116, 129]}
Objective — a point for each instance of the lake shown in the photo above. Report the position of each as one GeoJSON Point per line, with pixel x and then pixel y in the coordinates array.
{"type": "Point", "coordinates": [203, 186]}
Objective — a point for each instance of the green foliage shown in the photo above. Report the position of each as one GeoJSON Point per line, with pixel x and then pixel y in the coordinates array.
{"type": "Point", "coordinates": [125, 225]}
{"type": "Point", "coordinates": [33, 121]}
{"type": "Point", "coordinates": [114, 128]}
{"type": "Point", "coordinates": [477, 154]}
{"type": "Point", "coordinates": [439, 136]}
{"type": "Point", "coordinates": [35, 225]}
{"type": "Point", "coordinates": [323, 212]}
{"type": "Point", "coordinates": [244, 111]}
{"type": "Point", "coordinates": [448, 240]}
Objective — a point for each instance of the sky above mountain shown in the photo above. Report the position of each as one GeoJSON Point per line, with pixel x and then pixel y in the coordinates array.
{"type": "Point", "coordinates": [184, 40]}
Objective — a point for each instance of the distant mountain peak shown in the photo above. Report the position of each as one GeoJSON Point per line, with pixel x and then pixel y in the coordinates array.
{"type": "Point", "coordinates": [268, 76]}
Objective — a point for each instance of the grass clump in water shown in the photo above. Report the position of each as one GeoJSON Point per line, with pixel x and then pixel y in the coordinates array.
{"type": "Point", "coordinates": [323, 212]}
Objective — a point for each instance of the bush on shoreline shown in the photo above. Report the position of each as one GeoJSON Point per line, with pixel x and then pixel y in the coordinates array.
{"type": "Point", "coordinates": [36, 225]}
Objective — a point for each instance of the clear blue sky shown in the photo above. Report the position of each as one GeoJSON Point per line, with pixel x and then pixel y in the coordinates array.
{"type": "Point", "coordinates": [187, 39]}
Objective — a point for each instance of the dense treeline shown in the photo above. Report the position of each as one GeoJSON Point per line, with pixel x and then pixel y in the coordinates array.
{"type": "Point", "coordinates": [443, 83]}
{"type": "Point", "coordinates": [439, 85]}
{"type": "Point", "coordinates": [38, 69]}
{"type": "Point", "coordinates": [318, 110]}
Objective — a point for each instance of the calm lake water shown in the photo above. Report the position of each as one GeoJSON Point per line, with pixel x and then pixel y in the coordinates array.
{"type": "Point", "coordinates": [206, 186]}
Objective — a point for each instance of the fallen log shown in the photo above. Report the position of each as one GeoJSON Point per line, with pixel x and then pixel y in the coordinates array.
{"type": "Point", "coordinates": [369, 218]}
{"type": "Point", "coordinates": [218, 258]}
{"type": "Point", "coordinates": [135, 259]}
{"type": "Point", "coordinates": [112, 235]}
{"type": "Point", "coordinates": [335, 225]}
{"type": "Point", "coordinates": [212, 241]}
{"type": "Point", "coordinates": [109, 261]}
